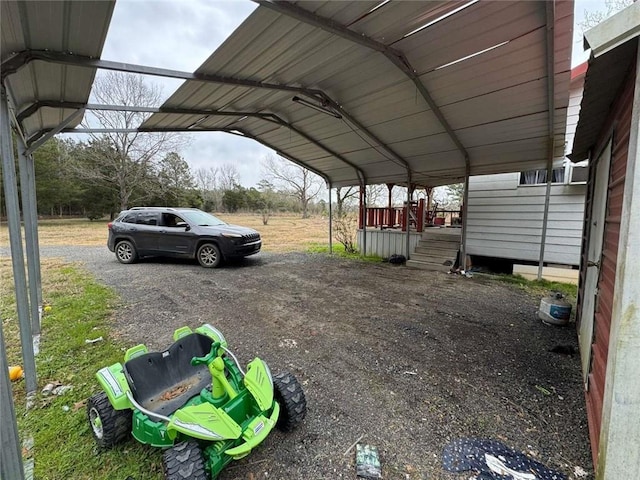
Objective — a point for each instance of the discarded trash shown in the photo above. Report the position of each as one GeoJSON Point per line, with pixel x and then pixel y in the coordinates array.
{"type": "Point", "coordinates": [47, 308]}
{"type": "Point", "coordinates": [579, 472]}
{"type": "Point", "coordinates": [543, 390]}
{"type": "Point", "coordinates": [367, 462]}
{"type": "Point", "coordinates": [397, 259]}
{"type": "Point", "coordinates": [48, 388]}
{"type": "Point", "coordinates": [288, 343]}
{"type": "Point", "coordinates": [62, 389]}
{"type": "Point", "coordinates": [66, 408]}
{"type": "Point", "coordinates": [56, 388]}
{"type": "Point", "coordinates": [494, 461]}
{"type": "Point", "coordinates": [15, 373]}
{"type": "Point", "coordinates": [94, 340]}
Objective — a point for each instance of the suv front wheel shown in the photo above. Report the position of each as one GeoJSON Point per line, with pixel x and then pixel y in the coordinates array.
{"type": "Point", "coordinates": [126, 252]}
{"type": "Point", "coordinates": [209, 255]}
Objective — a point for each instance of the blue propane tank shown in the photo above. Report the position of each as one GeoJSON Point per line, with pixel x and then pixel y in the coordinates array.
{"type": "Point", "coordinates": [554, 310]}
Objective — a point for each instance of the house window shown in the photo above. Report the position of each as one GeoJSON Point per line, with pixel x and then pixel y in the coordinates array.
{"type": "Point", "coordinates": [536, 177]}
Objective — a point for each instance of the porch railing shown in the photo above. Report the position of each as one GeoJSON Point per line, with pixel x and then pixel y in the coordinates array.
{"type": "Point", "coordinates": [396, 217]}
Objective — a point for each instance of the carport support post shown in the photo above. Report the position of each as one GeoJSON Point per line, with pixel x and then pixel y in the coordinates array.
{"type": "Point", "coordinates": [364, 220]}
{"type": "Point", "coordinates": [29, 215]}
{"type": "Point", "coordinates": [465, 208]}
{"type": "Point", "coordinates": [15, 242]}
{"type": "Point", "coordinates": [330, 222]}
{"type": "Point", "coordinates": [545, 216]}
{"type": "Point", "coordinates": [10, 451]}
{"type": "Point", "coordinates": [408, 214]}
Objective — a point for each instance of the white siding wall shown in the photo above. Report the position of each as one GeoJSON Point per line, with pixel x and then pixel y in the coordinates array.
{"type": "Point", "coordinates": [385, 243]}
{"type": "Point", "coordinates": [505, 219]}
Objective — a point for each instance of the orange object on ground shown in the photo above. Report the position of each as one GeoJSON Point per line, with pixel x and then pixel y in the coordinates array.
{"type": "Point", "coordinates": [15, 373]}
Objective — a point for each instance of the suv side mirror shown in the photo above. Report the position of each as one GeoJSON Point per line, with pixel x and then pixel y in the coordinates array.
{"type": "Point", "coordinates": [184, 225]}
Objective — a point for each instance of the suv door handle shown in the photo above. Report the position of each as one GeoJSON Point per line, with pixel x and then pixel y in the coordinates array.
{"type": "Point", "coordinates": [132, 230]}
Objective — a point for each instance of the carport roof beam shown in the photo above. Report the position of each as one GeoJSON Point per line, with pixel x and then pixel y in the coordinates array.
{"type": "Point", "coordinates": [25, 57]}
{"type": "Point", "coordinates": [395, 56]}
{"type": "Point", "coordinates": [269, 117]}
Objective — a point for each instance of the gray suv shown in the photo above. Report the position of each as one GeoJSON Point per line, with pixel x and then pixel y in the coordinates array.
{"type": "Point", "coordinates": [179, 232]}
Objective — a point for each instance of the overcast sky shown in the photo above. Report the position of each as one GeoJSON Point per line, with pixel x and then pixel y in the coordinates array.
{"type": "Point", "coordinates": [181, 35]}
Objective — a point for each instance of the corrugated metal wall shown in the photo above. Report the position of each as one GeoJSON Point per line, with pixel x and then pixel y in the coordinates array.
{"type": "Point", "coordinates": [505, 219]}
{"type": "Point", "coordinates": [619, 123]}
{"type": "Point", "coordinates": [385, 243]}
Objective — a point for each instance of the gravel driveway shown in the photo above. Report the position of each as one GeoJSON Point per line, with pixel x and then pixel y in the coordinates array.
{"type": "Point", "coordinates": [410, 359]}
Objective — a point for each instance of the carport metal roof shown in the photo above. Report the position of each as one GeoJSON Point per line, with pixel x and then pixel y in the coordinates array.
{"type": "Point", "coordinates": [78, 27]}
{"type": "Point", "coordinates": [434, 90]}
{"type": "Point", "coordinates": [420, 86]}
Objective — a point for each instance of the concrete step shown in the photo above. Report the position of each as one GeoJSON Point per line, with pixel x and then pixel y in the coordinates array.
{"type": "Point", "coordinates": [441, 239]}
{"type": "Point", "coordinates": [436, 259]}
{"type": "Point", "coordinates": [431, 249]}
{"type": "Point", "coordinates": [426, 235]}
{"type": "Point", "coordinates": [427, 265]}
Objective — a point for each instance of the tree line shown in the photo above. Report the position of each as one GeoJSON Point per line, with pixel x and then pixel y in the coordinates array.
{"type": "Point", "coordinates": [91, 179]}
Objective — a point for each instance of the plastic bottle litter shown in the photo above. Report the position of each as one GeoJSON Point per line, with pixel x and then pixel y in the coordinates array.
{"type": "Point", "coordinates": [367, 462]}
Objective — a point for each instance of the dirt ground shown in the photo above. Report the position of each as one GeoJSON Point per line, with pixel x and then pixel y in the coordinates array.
{"type": "Point", "coordinates": [407, 359]}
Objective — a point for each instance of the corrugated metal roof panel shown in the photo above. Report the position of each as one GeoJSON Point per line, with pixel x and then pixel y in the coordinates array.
{"type": "Point", "coordinates": [79, 27]}
{"type": "Point", "coordinates": [496, 102]}
{"type": "Point", "coordinates": [602, 83]}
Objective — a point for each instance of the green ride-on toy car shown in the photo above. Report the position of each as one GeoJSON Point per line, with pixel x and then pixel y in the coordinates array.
{"type": "Point", "coordinates": [195, 401]}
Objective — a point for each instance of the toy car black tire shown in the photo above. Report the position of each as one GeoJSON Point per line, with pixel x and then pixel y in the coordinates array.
{"type": "Point", "coordinates": [293, 404]}
{"type": "Point", "coordinates": [184, 461]}
{"type": "Point", "coordinates": [108, 425]}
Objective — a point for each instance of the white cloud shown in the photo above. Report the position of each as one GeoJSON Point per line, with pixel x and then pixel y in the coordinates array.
{"type": "Point", "coordinates": [181, 36]}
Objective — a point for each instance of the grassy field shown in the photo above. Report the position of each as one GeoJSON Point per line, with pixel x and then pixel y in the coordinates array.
{"type": "Point", "coordinates": [283, 233]}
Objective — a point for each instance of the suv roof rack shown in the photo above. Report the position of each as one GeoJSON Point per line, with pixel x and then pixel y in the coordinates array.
{"type": "Point", "coordinates": [152, 208]}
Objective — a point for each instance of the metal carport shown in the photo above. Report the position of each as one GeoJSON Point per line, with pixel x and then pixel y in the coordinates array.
{"type": "Point", "coordinates": [409, 93]}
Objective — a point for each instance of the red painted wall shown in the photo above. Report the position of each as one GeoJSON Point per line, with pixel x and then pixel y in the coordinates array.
{"type": "Point", "coordinates": [617, 127]}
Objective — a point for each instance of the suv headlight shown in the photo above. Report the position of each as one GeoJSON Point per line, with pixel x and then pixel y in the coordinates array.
{"type": "Point", "coordinates": [232, 235]}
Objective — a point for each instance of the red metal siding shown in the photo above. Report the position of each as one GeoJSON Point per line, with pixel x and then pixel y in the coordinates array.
{"type": "Point", "coordinates": [620, 119]}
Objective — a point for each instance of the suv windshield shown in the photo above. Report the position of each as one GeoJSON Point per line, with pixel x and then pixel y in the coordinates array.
{"type": "Point", "coordinates": [201, 218]}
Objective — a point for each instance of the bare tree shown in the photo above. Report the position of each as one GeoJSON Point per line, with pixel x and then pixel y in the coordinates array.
{"type": "Point", "coordinates": [206, 180]}
{"type": "Point", "coordinates": [228, 176]}
{"type": "Point", "coordinates": [591, 19]}
{"type": "Point", "coordinates": [132, 156]}
{"type": "Point", "coordinates": [377, 195]}
{"type": "Point", "coordinates": [301, 183]}
{"type": "Point", "coordinates": [343, 196]}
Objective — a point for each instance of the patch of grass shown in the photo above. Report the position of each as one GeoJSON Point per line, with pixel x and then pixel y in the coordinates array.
{"type": "Point", "coordinates": [339, 250]}
{"type": "Point", "coordinates": [540, 287]}
{"type": "Point", "coordinates": [63, 444]}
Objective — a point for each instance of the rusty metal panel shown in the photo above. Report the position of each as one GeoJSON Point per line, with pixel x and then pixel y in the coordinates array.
{"type": "Point", "coordinates": [620, 117]}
